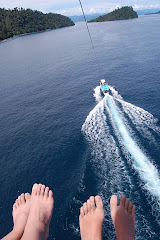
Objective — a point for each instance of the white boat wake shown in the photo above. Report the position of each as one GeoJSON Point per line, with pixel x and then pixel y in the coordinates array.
{"type": "Point", "coordinates": [147, 171]}
{"type": "Point", "coordinates": [122, 162]}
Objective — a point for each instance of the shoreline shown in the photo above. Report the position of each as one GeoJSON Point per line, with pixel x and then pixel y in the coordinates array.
{"type": "Point", "coordinates": [25, 34]}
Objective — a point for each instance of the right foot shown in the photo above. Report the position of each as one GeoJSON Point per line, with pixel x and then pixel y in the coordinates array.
{"type": "Point", "coordinates": [123, 217]}
{"type": "Point", "coordinates": [91, 219]}
{"type": "Point", "coordinates": [40, 213]}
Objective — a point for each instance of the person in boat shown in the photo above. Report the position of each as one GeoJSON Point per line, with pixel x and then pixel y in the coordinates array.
{"type": "Point", "coordinates": [32, 215]}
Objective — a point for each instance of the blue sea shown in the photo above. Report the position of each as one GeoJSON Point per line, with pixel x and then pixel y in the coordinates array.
{"type": "Point", "coordinates": [57, 129]}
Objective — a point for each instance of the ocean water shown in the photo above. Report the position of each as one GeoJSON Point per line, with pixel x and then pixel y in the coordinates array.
{"type": "Point", "coordinates": [57, 129]}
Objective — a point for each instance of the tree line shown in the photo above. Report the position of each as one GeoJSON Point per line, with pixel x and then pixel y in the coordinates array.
{"type": "Point", "coordinates": [118, 14]}
{"type": "Point", "coordinates": [20, 21]}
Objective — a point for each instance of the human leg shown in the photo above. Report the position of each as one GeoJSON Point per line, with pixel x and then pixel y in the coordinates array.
{"type": "Point", "coordinates": [20, 215]}
{"type": "Point", "coordinates": [37, 227]}
{"type": "Point", "coordinates": [91, 219]}
{"type": "Point", "coordinates": [123, 217]}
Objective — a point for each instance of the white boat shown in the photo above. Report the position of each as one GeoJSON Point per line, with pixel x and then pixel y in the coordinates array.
{"type": "Point", "coordinates": [104, 87]}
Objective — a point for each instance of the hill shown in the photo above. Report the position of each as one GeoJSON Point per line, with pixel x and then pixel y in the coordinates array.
{"type": "Point", "coordinates": [79, 18]}
{"type": "Point", "coordinates": [118, 14]}
{"type": "Point", "coordinates": [21, 21]}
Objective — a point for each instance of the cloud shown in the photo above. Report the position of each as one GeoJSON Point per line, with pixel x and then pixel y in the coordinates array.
{"type": "Point", "coordinates": [72, 7]}
{"type": "Point", "coordinates": [146, 6]}
{"type": "Point", "coordinates": [91, 7]}
{"type": "Point", "coordinates": [103, 6]}
{"type": "Point", "coordinates": [45, 5]}
{"type": "Point", "coordinates": [70, 11]}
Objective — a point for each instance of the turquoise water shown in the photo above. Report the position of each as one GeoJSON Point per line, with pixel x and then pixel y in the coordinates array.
{"type": "Point", "coordinates": [57, 129]}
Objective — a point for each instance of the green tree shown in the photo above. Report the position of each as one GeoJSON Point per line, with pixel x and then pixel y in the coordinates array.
{"type": "Point", "coordinates": [21, 21]}
{"type": "Point", "coordinates": [118, 14]}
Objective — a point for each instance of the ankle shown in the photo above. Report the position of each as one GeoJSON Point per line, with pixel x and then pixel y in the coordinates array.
{"type": "Point", "coordinates": [124, 237]}
{"type": "Point", "coordinates": [17, 232]}
{"type": "Point", "coordinates": [95, 236]}
{"type": "Point", "coordinates": [39, 226]}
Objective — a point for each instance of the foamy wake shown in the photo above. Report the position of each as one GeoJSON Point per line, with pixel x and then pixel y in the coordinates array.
{"type": "Point", "coordinates": [115, 93]}
{"type": "Point", "coordinates": [97, 94]}
{"type": "Point", "coordinates": [117, 155]}
{"type": "Point", "coordinates": [147, 171]}
{"type": "Point", "coordinates": [96, 128]}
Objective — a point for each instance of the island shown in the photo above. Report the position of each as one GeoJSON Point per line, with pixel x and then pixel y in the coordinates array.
{"type": "Point", "coordinates": [23, 21]}
{"type": "Point", "coordinates": [152, 13]}
{"type": "Point", "coordinates": [118, 14]}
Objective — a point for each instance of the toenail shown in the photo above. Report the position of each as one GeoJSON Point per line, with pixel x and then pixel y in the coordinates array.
{"type": "Point", "coordinates": [98, 198]}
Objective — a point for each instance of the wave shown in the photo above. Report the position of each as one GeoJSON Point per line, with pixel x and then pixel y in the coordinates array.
{"type": "Point", "coordinates": [118, 133]}
{"type": "Point", "coordinates": [97, 94]}
{"type": "Point", "coordinates": [141, 163]}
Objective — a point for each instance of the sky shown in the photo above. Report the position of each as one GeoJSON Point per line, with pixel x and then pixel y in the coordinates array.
{"type": "Point", "coordinates": [72, 7]}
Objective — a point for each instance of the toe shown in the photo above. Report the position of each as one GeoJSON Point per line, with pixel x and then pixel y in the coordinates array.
{"type": "Point", "coordinates": [42, 190]}
{"type": "Point", "coordinates": [81, 212]}
{"type": "Point", "coordinates": [88, 205]}
{"type": "Point", "coordinates": [133, 211]}
{"type": "Point", "coordinates": [113, 206]}
{"type": "Point", "coordinates": [130, 207]}
{"type": "Point", "coordinates": [27, 196]}
{"type": "Point", "coordinates": [92, 203]}
{"type": "Point", "coordinates": [50, 193]}
{"type": "Point", "coordinates": [126, 204]}
{"type": "Point", "coordinates": [19, 200]}
{"type": "Point", "coordinates": [46, 191]}
{"type": "Point", "coordinates": [34, 189]}
{"type": "Point", "coordinates": [22, 198]}
{"type": "Point", "coordinates": [39, 189]}
{"type": "Point", "coordinates": [85, 208]}
{"type": "Point", "coordinates": [122, 201]}
{"type": "Point", "coordinates": [14, 206]}
{"type": "Point", "coordinates": [98, 201]}
{"type": "Point", "coordinates": [113, 202]}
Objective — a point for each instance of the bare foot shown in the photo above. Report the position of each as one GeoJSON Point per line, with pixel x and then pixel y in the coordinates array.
{"type": "Point", "coordinates": [40, 214]}
{"type": "Point", "coordinates": [123, 217]}
{"type": "Point", "coordinates": [20, 212]}
{"type": "Point", "coordinates": [91, 219]}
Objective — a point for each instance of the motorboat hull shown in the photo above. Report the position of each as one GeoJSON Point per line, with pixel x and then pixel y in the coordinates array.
{"type": "Point", "coordinates": [104, 87]}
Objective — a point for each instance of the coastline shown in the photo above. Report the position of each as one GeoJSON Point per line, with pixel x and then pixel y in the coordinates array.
{"type": "Point", "coordinates": [152, 13]}
{"type": "Point", "coordinates": [25, 34]}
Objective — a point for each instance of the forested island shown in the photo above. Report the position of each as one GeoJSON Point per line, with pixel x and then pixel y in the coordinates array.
{"type": "Point", "coordinates": [118, 14]}
{"type": "Point", "coordinates": [21, 21]}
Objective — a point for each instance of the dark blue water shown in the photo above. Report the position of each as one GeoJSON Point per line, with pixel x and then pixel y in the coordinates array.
{"type": "Point", "coordinates": [47, 84]}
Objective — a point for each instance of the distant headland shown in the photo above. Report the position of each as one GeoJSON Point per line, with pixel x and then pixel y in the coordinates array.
{"type": "Point", "coordinates": [118, 14]}
{"type": "Point", "coordinates": [22, 21]}
{"type": "Point", "coordinates": [152, 13]}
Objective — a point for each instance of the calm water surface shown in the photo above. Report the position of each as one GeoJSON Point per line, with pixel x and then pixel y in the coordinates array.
{"type": "Point", "coordinates": [56, 129]}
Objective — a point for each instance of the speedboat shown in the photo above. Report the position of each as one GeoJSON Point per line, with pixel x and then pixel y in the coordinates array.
{"type": "Point", "coordinates": [104, 87]}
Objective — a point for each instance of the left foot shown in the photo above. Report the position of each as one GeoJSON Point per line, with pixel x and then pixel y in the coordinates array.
{"type": "Point", "coordinates": [40, 213]}
{"type": "Point", "coordinates": [91, 219]}
{"type": "Point", "coordinates": [20, 213]}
